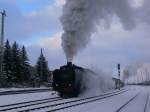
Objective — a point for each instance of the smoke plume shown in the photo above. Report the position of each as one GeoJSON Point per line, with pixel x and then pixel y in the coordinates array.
{"type": "Point", "coordinates": [80, 17]}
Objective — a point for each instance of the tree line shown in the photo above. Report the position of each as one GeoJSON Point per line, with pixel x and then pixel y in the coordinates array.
{"type": "Point", "coordinates": [17, 71]}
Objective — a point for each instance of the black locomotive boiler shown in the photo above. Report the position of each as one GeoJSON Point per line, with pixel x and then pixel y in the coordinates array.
{"type": "Point", "coordinates": [67, 80]}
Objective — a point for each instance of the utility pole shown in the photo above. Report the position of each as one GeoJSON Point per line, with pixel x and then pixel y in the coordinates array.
{"type": "Point", "coordinates": [3, 14]}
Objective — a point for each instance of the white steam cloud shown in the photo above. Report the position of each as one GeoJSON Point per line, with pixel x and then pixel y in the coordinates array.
{"type": "Point", "coordinates": [80, 17]}
{"type": "Point", "coordinates": [94, 83]}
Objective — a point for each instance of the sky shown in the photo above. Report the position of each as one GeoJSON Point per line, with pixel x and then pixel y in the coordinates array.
{"type": "Point", "coordinates": [36, 24]}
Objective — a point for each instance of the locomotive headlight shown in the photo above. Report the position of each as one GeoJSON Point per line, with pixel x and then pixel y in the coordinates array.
{"type": "Point", "coordinates": [69, 85]}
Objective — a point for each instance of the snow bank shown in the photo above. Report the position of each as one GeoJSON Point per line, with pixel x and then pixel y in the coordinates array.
{"type": "Point", "coordinates": [18, 98]}
{"type": "Point", "coordinates": [16, 89]}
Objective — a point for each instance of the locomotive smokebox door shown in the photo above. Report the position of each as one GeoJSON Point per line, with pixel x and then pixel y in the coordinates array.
{"type": "Point", "coordinates": [69, 64]}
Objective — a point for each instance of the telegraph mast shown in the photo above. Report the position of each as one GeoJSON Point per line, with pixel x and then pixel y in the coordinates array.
{"type": "Point", "coordinates": [3, 14]}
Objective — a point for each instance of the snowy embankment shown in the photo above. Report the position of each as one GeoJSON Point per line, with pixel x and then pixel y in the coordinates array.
{"type": "Point", "coordinates": [16, 89]}
{"type": "Point", "coordinates": [17, 98]}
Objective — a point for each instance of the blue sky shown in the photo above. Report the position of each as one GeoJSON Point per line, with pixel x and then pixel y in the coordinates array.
{"type": "Point", "coordinates": [26, 27]}
{"type": "Point", "coordinates": [36, 24]}
{"type": "Point", "coordinates": [28, 6]}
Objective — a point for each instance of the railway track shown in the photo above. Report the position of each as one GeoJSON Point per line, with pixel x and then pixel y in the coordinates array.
{"type": "Point", "coordinates": [85, 101]}
{"type": "Point", "coordinates": [27, 104]}
{"type": "Point", "coordinates": [133, 98]}
{"type": "Point", "coordinates": [125, 104]}
{"type": "Point", "coordinates": [23, 91]}
{"type": "Point", "coordinates": [59, 104]}
{"type": "Point", "coordinates": [146, 103]}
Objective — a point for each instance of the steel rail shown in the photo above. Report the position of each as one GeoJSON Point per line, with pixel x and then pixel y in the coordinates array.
{"type": "Point", "coordinates": [93, 98]}
{"type": "Point", "coordinates": [27, 104]}
{"type": "Point", "coordinates": [131, 99]}
{"type": "Point", "coordinates": [146, 103]}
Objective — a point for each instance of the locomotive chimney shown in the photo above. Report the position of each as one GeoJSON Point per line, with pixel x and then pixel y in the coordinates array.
{"type": "Point", "coordinates": [69, 63]}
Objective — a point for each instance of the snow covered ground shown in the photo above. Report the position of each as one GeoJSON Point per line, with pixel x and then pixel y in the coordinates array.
{"type": "Point", "coordinates": [18, 98]}
{"type": "Point", "coordinates": [112, 104]}
{"type": "Point", "coordinates": [136, 99]}
{"type": "Point", "coordinates": [16, 89]}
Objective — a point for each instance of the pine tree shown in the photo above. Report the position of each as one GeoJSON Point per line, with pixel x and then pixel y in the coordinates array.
{"type": "Point", "coordinates": [7, 63]}
{"type": "Point", "coordinates": [25, 66]}
{"type": "Point", "coordinates": [16, 64]}
{"type": "Point", "coordinates": [42, 68]}
{"type": "Point", "coordinates": [34, 78]}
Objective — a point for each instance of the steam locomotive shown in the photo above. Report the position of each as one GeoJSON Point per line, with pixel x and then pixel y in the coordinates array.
{"type": "Point", "coordinates": [67, 80]}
